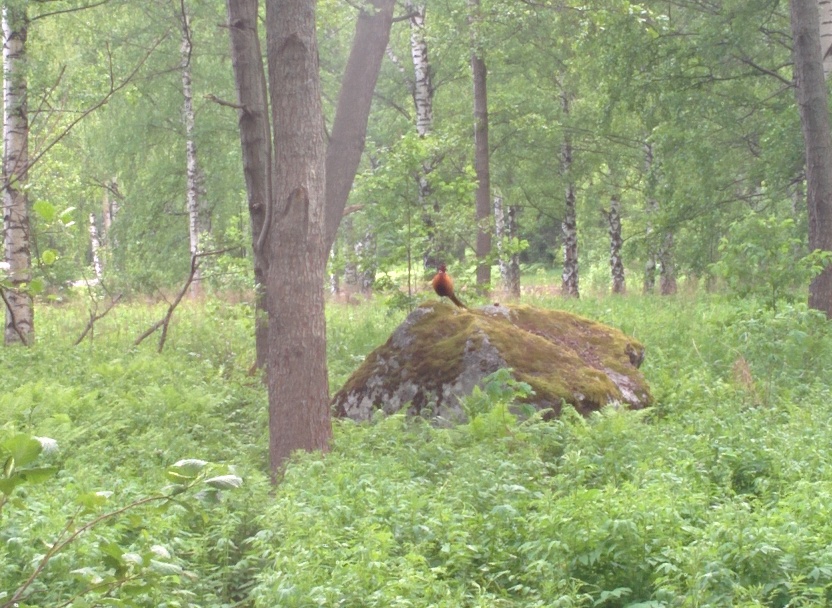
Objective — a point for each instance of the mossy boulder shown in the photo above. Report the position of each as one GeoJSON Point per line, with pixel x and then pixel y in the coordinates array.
{"type": "Point", "coordinates": [439, 353]}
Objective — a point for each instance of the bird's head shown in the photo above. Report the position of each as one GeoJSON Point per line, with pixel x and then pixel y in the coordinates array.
{"type": "Point", "coordinates": [442, 268]}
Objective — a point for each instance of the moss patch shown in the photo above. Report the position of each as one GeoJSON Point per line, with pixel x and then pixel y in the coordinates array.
{"type": "Point", "coordinates": [440, 352]}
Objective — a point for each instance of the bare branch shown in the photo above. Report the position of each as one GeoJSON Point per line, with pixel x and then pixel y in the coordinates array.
{"type": "Point", "coordinates": [69, 10]}
{"type": "Point", "coordinates": [11, 314]}
{"type": "Point", "coordinates": [164, 322]}
{"type": "Point", "coordinates": [228, 104]}
{"type": "Point", "coordinates": [114, 88]}
{"type": "Point", "coordinates": [95, 317]}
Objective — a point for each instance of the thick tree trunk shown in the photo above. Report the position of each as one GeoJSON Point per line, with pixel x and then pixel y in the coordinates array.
{"type": "Point", "coordinates": [814, 119]}
{"type": "Point", "coordinates": [299, 416]}
{"type": "Point", "coordinates": [300, 213]}
{"type": "Point", "coordinates": [255, 140]}
{"type": "Point", "coordinates": [192, 166]}
{"type": "Point", "coordinates": [19, 326]}
{"type": "Point", "coordinates": [481, 151]}
{"type": "Point", "coordinates": [569, 225]}
{"type": "Point", "coordinates": [613, 217]}
{"type": "Point", "coordinates": [349, 128]}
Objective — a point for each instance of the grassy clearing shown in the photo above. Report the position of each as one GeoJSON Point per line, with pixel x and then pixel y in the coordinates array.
{"type": "Point", "coordinates": [717, 496]}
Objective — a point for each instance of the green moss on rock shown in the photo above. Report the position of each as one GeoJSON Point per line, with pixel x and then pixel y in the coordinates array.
{"type": "Point", "coordinates": [439, 353]}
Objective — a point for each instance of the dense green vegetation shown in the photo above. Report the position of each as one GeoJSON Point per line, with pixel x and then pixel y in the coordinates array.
{"type": "Point", "coordinates": [719, 495]}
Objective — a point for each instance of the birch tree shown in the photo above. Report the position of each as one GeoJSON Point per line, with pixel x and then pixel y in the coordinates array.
{"type": "Point", "coordinates": [19, 326]}
{"type": "Point", "coordinates": [569, 225]}
{"type": "Point", "coordinates": [423, 91]}
{"type": "Point", "coordinates": [192, 166]}
{"type": "Point", "coordinates": [307, 185]}
{"type": "Point", "coordinates": [613, 218]}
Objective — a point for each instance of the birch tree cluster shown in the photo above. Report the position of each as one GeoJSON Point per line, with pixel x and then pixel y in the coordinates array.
{"type": "Point", "coordinates": [624, 143]}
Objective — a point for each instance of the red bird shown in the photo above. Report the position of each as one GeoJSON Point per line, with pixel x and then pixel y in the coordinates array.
{"type": "Point", "coordinates": [444, 286]}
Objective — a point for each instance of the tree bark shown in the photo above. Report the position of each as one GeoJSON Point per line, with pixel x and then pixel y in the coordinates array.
{"type": "Point", "coordinates": [19, 326]}
{"type": "Point", "coordinates": [613, 217]}
{"type": "Point", "coordinates": [423, 102]}
{"type": "Point", "coordinates": [349, 128]}
{"type": "Point", "coordinates": [255, 141]}
{"type": "Point", "coordinates": [569, 225]}
{"type": "Point", "coordinates": [299, 416]}
{"type": "Point", "coordinates": [95, 248]}
{"type": "Point", "coordinates": [505, 229]}
{"type": "Point", "coordinates": [825, 20]}
{"type": "Point", "coordinates": [651, 207]}
{"type": "Point", "coordinates": [192, 167]}
{"type": "Point", "coordinates": [288, 190]}
{"type": "Point", "coordinates": [667, 270]}
{"type": "Point", "coordinates": [481, 151]}
{"type": "Point", "coordinates": [513, 276]}
{"type": "Point", "coordinates": [814, 119]}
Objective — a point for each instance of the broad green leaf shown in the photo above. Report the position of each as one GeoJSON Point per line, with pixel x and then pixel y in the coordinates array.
{"type": "Point", "coordinates": [45, 210]}
{"type": "Point", "coordinates": [23, 448]}
{"type": "Point", "coordinates": [36, 286]}
{"type": "Point", "coordinates": [165, 568]}
{"type": "Point", "coordinates": [48, 257]}
{"type": "Point", "coordinates": [225, 482]}
{"type": "Point", "coordinates": [185, 469]}
{"type": "Point", "coordinates": [38, 474]}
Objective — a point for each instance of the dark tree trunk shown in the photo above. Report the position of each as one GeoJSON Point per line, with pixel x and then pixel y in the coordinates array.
{"type": "Point", "coordinates": [299, 207]}
{"type": "Point", "coordinates": [814, 119]}
{"type": "Point", "coordinates": [255, 140]}
{"type": "Point", "coordinates": [481, 151]}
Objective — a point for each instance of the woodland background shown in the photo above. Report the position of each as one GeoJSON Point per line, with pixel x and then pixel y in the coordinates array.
{"type": "Point", "coordinates": [681, 118]}
{"type": "Point", "coordinates": [654, 146]}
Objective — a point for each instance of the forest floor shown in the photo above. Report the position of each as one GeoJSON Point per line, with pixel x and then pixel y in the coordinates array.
{"type": "Point", "coordinates": [721, 494]}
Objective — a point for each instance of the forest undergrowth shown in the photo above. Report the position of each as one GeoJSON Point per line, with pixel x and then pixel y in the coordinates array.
{"type": "Point", "coordinates": [719, 495]}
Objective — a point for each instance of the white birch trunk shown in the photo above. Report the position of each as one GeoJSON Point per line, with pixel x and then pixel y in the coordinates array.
{"type": "Point", "coordinates": [667, 271]}
{"type": "Point", "coordinates": [569, 226]}
{"type": "Point", "coordinates": [613, 217]}
{"type": "Point", "coordinates": [513, 276]}
{"type": "Point", "coordinates": [190, 150]}
{"type": "Point", "coordinates": [652, 206]}
{"type": "Point", "coordinates": [95, 245]}
{"type": "Point", "coordinates": [825, 14]}
{"type": "Point", "coordinates": [19, 326]}
{"type": "Point", "coordinates": [423, 84]}
{"type": "Point", "coordinates": [423, 102]}
{"type": "Point", "coordinates": [501, 232]}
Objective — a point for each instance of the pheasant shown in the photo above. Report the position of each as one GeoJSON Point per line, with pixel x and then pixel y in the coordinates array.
{"type": "Point", "coordinates": [444, 286]}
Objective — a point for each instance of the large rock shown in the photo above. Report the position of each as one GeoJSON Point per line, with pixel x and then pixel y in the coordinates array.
{"type": "Point", "coordinates": [439, 353]}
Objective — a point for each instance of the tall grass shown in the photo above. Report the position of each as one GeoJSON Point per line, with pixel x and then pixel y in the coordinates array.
{"type": "Point", "coordinates": [719, 495]}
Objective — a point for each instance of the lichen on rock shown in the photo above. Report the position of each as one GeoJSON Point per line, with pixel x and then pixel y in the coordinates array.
{"type": "Point", "coordinates": [440, 353]}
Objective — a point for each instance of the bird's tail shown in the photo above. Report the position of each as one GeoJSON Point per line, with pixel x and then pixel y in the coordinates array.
{"type": "Point", "coordinates": [456, 301]}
